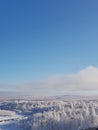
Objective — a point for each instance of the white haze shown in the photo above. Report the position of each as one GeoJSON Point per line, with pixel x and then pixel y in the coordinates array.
{"type": "Point", "coordinates": [82, 82]}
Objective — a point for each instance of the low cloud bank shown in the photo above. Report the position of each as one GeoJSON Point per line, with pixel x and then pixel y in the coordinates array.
{"type": "Point", "coordinates": [84, 80]}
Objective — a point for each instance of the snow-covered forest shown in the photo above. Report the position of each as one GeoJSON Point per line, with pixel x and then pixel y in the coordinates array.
{"type": "Point", "coordinates": [54, 114]}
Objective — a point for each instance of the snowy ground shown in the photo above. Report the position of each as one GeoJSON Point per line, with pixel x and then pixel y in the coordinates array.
{"type": "Point", "coordinates": [9, 120]}
{"type": "Point", "coordinates": [56, 114]}
{"type": "Point", "coordinates": [10, 126]}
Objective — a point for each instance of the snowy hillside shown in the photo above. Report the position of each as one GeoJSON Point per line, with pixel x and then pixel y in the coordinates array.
{"type": "Point", "coordinates": [53, 114]}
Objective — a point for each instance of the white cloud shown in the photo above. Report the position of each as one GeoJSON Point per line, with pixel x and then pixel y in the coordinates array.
{"type": "Point", "coordinates": [84, 80]}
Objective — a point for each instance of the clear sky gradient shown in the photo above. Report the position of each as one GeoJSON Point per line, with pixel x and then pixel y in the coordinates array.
{"type": "Point", "coordinates": [40, 38]}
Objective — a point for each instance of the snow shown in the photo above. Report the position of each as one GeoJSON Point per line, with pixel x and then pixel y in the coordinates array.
{"type": "Point", "coordinates": [69, 114]}
{"type": "Point", "coordinates": [9, 120]}
{"type": "Point", "coordinates": [10, 126]}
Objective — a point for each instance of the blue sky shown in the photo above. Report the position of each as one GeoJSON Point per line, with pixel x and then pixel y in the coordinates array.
{"type": "Point", "coordinates": [46, 37]}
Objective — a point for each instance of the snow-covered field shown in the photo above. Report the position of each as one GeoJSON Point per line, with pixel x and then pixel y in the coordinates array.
{"type": "Point", "coordinates": [10, 126]}
{"type": "Point", "coordinates": [9, 120]}
{"type": "Point", "coordinates": [63, 114]}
